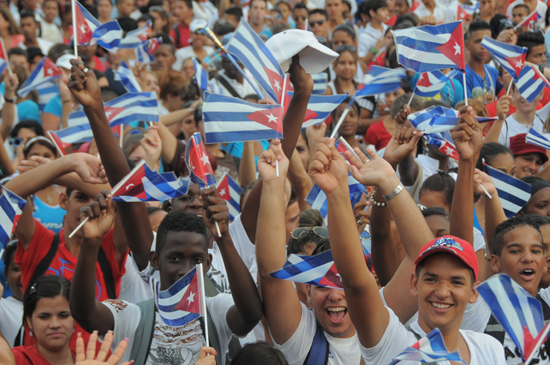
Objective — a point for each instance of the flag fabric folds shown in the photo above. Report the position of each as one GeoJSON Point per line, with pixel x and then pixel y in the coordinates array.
{"type": "Point", "coordinates": [58, 143]}
{"type": "Point", "coordinates": [134, 38]}
{"type": "Point", "coordinates": [229, 119]}
{"type": "Point", "coordinates": [515, 309]}
{"type": "Point", "coordinates": [144, 52]}
{"type": "Point", "coordinates": [127, 78]}
{"type": "Point", "coordinates": [11, 208]}
{"type": "Point", "coordinates": [530, 20]}
{"type": "Point", "coordinates": [183, 301]}
{"type": "Point", "coordinates": [201, 77]}
{"type": "Point", "coordinates": [512, 58]}
{"type": "Point", "coordinates": [430, 83]}
{"type": "Point", "coordinates": [318, 200]}
{"type": "Point", "coordinates": [230, 191]}
{"type": "Point", "coordinates": [200, 169]}
{"type": "Point", "coordinates": [464, 11]}
{"type": "Point", "coordinates": [380, 80]}
{"type": "Point", "coordinates": [534, 137]}
{"type": "Point", "coordinates": [44, 72]}
{"type": "Point", "coordinates": [513, 193]}
{"type": "Point", "coordinates": [431, 48]}
{"type": "Point", "coordinates": [90, 31]}
{"type": "Point", "coordinates": [429, 349]}
{"type": "Point", "coordinates": [143, 184]}
{"type": "Point", "coordinates": [531, 82]}
{"type": "Point", "coordinates": [319, 107]}
{"type": "Point", "coordinates": [252, 52]}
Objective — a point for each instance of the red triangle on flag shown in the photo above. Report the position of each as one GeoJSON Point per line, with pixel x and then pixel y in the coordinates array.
{"type": "Point", "coordinates": [454, 48]}
{"type": "Point", "coordinates": [190, 300]}
{"type": "Point", "coordinates": [112, 112]}
{"type": "Point", "coordinates": [50, 69]}
{"type": "Point", "coordinates": [83, 31]}
{"type": "Point", "coordinates": [223, 188]}
{"type": "Point", "coordinates": [3, 54]}
{"type": "Point", "coordinates": [276, 82]}
{"type": "Point", "coordinates": [332, 278]}
{"type": "Point", "coordinates": [461, 14]}
{"type": "Point", "coordinates": [133, 186]}
{"type": "Point", "coordinates": [424, 80]}
{"type": "Point", "coordinates": [271, 118]}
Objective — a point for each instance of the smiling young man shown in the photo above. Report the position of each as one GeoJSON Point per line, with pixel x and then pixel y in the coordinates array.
{"type": "Point", "coordinates": [528, 158]}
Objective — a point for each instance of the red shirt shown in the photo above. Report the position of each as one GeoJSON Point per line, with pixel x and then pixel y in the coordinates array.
{"type": "Point", "coordinates": [377, 135]}
{"type": "Point", "coordinates": [64, 264]}
{"type": "Point", "coordinates": [29, 355]}
{"type": "Point", "coordinates": [183, 39]}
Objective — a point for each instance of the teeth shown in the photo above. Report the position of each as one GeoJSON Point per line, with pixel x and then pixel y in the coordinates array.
{"type": "Point", "coordinates": [336, 309]}
{"type": "Point", "coordinates": [441, 306]}
{"type": "Point", "coordinates": [528, 272]}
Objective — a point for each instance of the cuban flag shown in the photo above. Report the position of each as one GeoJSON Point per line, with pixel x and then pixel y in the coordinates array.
{"type": "Point", "coordinates": [534, 137]}
{"type": "Point", "coordinates": [443, 144]}
{"type": "Point", "coordinates": [11, 208]}
{"type": "Point", "coordinates": [46, 92]}
{"type": "Point", "coordinates": [127, 78]}
{"type": "Point", "coordinates": [134, 38]}
{"type": "Point", "coordinates": [44, 73]}
{"type": "Point", "coordinates": [464, 11]}
{"type": "Point", "coordinates": [251, 51]}
{"type": "Point", "coordinates": [531, 82]}
{"type": "Point", "coordinates": [144, 52]}
{"type": "Point", "coordinates": [143, 184]}
{"type": "Point", "coordinates": [530, 20]}
{"type": "Point", "coordinates": [430, 83]}
{"type": "Point", "coordinates": [421, 120]}
{"type": "Point", "coordinates": [320, 82]}
{"type": "Point", "coordinates": [229, 119]}
{"type": "Point", "coordinates": [342, 146]}
{"type": "Point", "coordinates": [201, 78]}
{"type": "Point", "coordinates": [90, 31]}
{"type": "Point", "coordinates": [319, 107]}
{"type": "Point", "coordinates": [58, 143]}
{"type": "Point", "coordinates": [230, 191]}
{"type": "Point", "coordinates": [431, 48]}
{"type": "Point", "coordinates": [515, 309]}
{"type": "Point", "coordinates": [130, 107]}
{"type": "Point", "coordinates": [380, 80]}
{"type": "Point", "coordinates": [512, 58]}
{"type": "Point", "coordinates": [513, 193]}
{"type": "Point", "coordinates": [183, 301]}
{"type": "Point", "coordinates": [318, 200]}
{"type": "Point", "coordinates": [200, 169]}
{"type": "Point", "coordinates": [3, 57]}
{"type": "Point", "coordinates": [430, 349]}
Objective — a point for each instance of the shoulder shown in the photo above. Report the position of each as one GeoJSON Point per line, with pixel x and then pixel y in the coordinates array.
{"type": "Point", "coordinates": [484, 349]}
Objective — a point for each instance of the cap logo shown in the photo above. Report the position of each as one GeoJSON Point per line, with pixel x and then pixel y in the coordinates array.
{"type": "Point", "coordinates": [445, 242]}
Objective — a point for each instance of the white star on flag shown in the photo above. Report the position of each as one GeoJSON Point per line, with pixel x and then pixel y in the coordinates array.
{"type": "Point", "coordinates": [457, 48]}
{"type": "Point", "coordinates": [108, 114]}
{"type": "Point", "coordinates": [272, 118]}
{"type": "Point", "coordinates": [222, 192]}
{"type": "Point", "coordinates": [191, 298]}
{"type": "Point", "coordinates": [448, 151]}
{"type": "Point", "coordinates": [204, 159]}
{"type": "Point", "coordinates": [49, 71]}
{"type": "Point", "coordinates": [83, 28]}
{"type": "Point", "coordinates": [519, 64]}
{"type": "Point", "coordinates": [277, 86]}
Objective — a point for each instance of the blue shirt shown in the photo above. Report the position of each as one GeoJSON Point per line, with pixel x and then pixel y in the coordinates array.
{"type": "Point", "coordinates": [476, 86]}
{"type": "Point", "coordinates": [236, 148]}
{"type": "Point", "coordinates": [28, 109]}
{"type": "Point", "coordinates": [55, 106]}
{"type": "Point", "coordinates": [451, 94]}
{"type": "Point", "coordinates": [50, 217]}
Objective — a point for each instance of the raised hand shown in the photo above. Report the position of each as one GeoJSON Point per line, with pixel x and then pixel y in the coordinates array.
{"type": "Point", "coordinates": [89, 168]}
{"type": "Point", "coordinates": [152, 145]}
{"type": "Point", "coordinates": [101, 216]}
{"type": "Point", "coordinates": [84, 86]}
{"type": "Point", "coordinates": [503, 106]}
{"type": "Point", "coordinates": [267, 163]}
{"type": "Point", "coordinates": [207, 356]}
{"type": "Point", "coordinates": [468, 135]}
{"type": "Point", "coordinates": [215, 211]}
{"type": "Point", "coordinates": [11, 82]}
{"type": "Point", "coordinates": [300, 79]}
{"type": "Point", "coordinates": [403, 143]}
{"type": "Point", "coordinates": [482, 179]}
{"type": "Point", "coordinates": [369, 172]}
{"type": "Point", "coordinates": [64, 91]}
{"type": "Point", "coordinates": [87, 356]}
{"type": "Point", "coordinates": [328, 168]}
{"type": "Point", "coordinates": [401, 117]}
{"type": "Point", "coordinates": [31, 163]}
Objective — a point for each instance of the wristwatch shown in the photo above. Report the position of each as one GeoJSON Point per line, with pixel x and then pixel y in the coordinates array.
{"type": "Point", "coordinates": [394, 192]}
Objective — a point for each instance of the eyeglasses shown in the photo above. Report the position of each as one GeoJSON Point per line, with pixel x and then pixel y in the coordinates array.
{"type": "Point", "coordinates": [318, 22]}
{"type": "Point", "coordinates": [299, 233]}
{"type": "Point", "coordinates": [346, 47]}
{"type": "Point", "coordinates": [296, 18]}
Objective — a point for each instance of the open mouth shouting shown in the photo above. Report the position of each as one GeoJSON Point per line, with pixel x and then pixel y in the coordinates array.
{"type": "Point", "coordinates": [527, 274]}
{"type": "Point", "coordinates": [336, 314]}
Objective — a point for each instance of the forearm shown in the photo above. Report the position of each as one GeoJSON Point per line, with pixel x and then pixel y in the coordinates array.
{"type": "Point", "coordinates": [408, 170]}
{"type": "Point", "coordinates": [462, 219]}
{"type": "Point", "coordinates": [73, 181]}
{"type": "Point", "coordinates": [169, 143]}
{"type": "Point", "coordinates": [247, 167]}
{"type": "Point", "coordinates": [8, 115]}
{"type": "Point", "coordinates": [175, 117]}
{"type": "Point", "coordinates": [5, 163]}
{"type": "Point", "coordinates": [494, 132]}
{"type": "Point", "coordinates": [6, 355]}
{"type": "Point", "coordinates": [545, 173]}
{"type": "Point", "coordinates": [65, 111]}
{"type": "Point", "coordinates": [299, 179]}
{"type": "Point", "coordinates": [292, 122]}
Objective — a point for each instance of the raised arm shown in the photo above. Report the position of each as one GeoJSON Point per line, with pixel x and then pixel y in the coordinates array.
{"type": "Point", "coordinates": [88, 312]}
{"type": "Point", "coordinates": [282, 308]}
{"type": "Point", "coordinates": [300, 180]}
{"type": "Point", "coordinates": [408, 168]}
{"type": "Point", "coordinates": [134, 216]}
{"type": "Point", "coordinates": [247, 167]}
{"type": "Point", "coordinates": [8, 112]}
{"type": "Point", "coordinates": [247, 311]}
{"type": "Point", "coordinates": [503, 108]}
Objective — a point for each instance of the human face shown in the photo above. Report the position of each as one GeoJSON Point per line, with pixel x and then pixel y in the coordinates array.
{"type": "Point", "coordinates": [334, 9]}
{"type": "Point", "coordinates": [40, 150]}
{"type": "Point", "coordinates": [318, 24]}
{"type": "Point", "coordinates": [389, 98]}
{"type": "Point", "coordinates": [331, 310]}
{"type": "Point", "coordinates": [401, 7]}
{"type": "Point", "coordinates": [126, 8]}
{"type": "Point", "coordinates": [229, 69]}
{"type": "Point", "coordinates": [158, 21]}
{"type": "Point", "coordinates": [539, 203]}
{"type": "Point", "coordinates": [505, 163]}
{"type": "Point", "coordinates": [25, 134]}
{"type": "Point", "coordinates": [522, 258]}
{"type": "Point", "coordinates": [72, 205]}
{"type": "Point", "coordinates": [181, 11]}
{"type": "Point", "coordinates": [50, 11]}
{"type": "Point", "coordinates": [349, 125]}
{"type": "Point", "coordinates": [151, 83]}
{"type": "Point", "coordinates": [519, 14]}
{"type": "Point", "coordinates": [180, 253]}
{"type": "Point", "coordinates": [156, 218]}
{"type": "Point", "coordinates": [300, 18]}
{"type": "Point", "coordinates": [190, 202]}
{"type": "Point", "coordinates": [303, 150]}
{"type": "Point", "coordinates": [477, 51]}
{"type": "Point", "coordinates": [188, 68]}
{"type": "Point", "coordinates": [258, 11]}
{"type": "Point", "coordinates": [197, 40]}
{"type": "Point", "coordinates": [545, 230]}
{"type": "Point", "coordinates": [137, 154]}
{"type": "Point", "coordinates": [4, 24]}
{"type": "Point", "coordinates": [487, 7]}
{"type": "Point", "coordinates": [345, 66]}
{"type": "Point", "coordinates": [104, 8]}
{"type": "Point", "coordinates": [430, 199]}
{"type": "Point", "coordinates": [523, 105]}
{"type": "Point", "coordinates": [444, 287]}
{"type": "Point", "coordinates": [164, 57]}
{"type": "Point", "coordinates": [51, 323]}
{"type": "Point", "coordinates": [28, 28]}
{"type": "Point", "coordinates": [285, 11]}
{"type": "Point", "coordinates": [381, 15]}
{"type": "Point", "coordinates": [537, 54]}
{"type": "Point", "coordinates": [341, 38]}
{"type": "Point", "coordinates": [292, 217]}
{"type": "Point", "coordinates": [13, 279]}
{"type": "Point", "coordinates": [527, 165]}
{"type": "Point", "coordinates": [439, 225]}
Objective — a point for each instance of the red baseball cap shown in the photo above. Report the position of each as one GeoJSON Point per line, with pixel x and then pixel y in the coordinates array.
{"type": "Point", "coordinates": [520, 147]}
{"type": "Point", "coordinates": [451, 244]}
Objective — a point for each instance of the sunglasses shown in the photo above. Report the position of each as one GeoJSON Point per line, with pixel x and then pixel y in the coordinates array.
{"type": "Point", "coordinates": [299, 233]}
{"type": "Point", "coordinates": [346, 47]}
{"type": "Point", "coordinates": [296, 18]}
{"type": "Point", "coordinates": [318, 22]}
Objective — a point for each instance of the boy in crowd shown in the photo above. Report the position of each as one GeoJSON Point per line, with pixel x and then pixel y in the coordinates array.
{"type": "Point", "coordinates": [520, 12]}
{"type": "Point", "coordinates": [318, 22]}
{"type": "Point", "coordinates": [374, 30]}
{"type": "Point", "coordinates": [183, 12]}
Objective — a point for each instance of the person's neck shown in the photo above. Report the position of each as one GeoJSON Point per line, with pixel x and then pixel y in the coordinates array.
{"type": "Point", "coordinates": [346, 85]}
{"type": "Point", "coordinates": [376, 24]}
{"type": "Point", "coordinates": [443, 160]}
{"type": "Point", "coordinates": [6, 34]}
{"type": "Point", "coordinates": [333, 22]}
{"type": "Point", "coordinates": [351, 141]}
{"type": "Point", "coordinates": [430, 6]}
{"type": "Point", "coordinates": [389, 124]}
{"type": "Point", "coordinates": [186, 22]}
{"type": "Point", "coordinates": [31, 42]}
{"type": "Point", "coordinates": [524, 118]}
{"type": "Point", "coordinates": [258, 28]}
{"type": "Point", "coordinates": [73, 243]}
{"type": "Point", "coordinates": [63, 357]}
{"type": "Point", "coordinates": [214, 150]}
{"type": "Point", "coordinates": [477, 66]}
{"type": "Point", "coordinates": [480, 211]}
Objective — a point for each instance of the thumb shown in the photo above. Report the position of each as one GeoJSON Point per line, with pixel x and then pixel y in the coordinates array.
{"type": "Point", "coordinates": [205, 351]}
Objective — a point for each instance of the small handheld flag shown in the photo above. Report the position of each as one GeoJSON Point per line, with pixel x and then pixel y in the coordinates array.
{"type": "Point", "coordinates": [513, 193]}
{"type": "Point", "coordinates": [11, 208]}
{"type": "Point", "coordinates": [127, 78]}
{"type": "Point", "coordinates": [318, 200]}
{"type": "Point", "coordinates": [534, 137]}
{"type": "Point", "coordinates": [230, 191]}
{"type": "Point", "coordinates": [201, 77]}
{"type": "Point", "coordinates": [134, 38]}
{"type": "Point", "coordinates": [531, 82]}
{"type": "Point", "coordinates": [200, 169]}
{"type": "Point", "coordinates": [144, 52]}
{"type": "Point", "coordinates": [430, 83]}
{"type": "Point", "coordinates": [530, 20]}
{"type": "Point", "coordinates": [380, 80]}
{"type": "Point", "coordinates": [512, 58]}
{"type": "Point", "coordinates": [464, 11]}
{"type": "Point", "coordinates": [90, 31]}
{"type": "Point", "coordinates": [44, 72]}
{"type": "Point", "coordinates": [59, 145]}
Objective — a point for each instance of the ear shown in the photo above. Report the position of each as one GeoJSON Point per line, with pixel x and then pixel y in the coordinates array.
{"type": "Point", "coordinates": [495, 263]}
{"type": "Point", "coordinates": [414, 285]}
{"type": "Point", "coordinates": [63, 201]}
{"type": "Point", "coordinates": [29, 323]}
{"type": "Point", "coordinates": [475, 293]}
{"type": "Point", "coordinates": [154, 260]}
{"type": "Point", "coordinates": [308, 296]}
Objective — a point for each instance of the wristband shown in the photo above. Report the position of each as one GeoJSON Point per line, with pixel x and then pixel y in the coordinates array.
{"type": "Point", "coordinates": [376, 203]}
{"type": "Point", "coordinates": [394, 192]}
{"type": "Point", "coordinates": [9, 100]}
{"type": "Point", "coordinates": [374, 51]}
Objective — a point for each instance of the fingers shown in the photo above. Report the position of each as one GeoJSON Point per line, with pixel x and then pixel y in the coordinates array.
{"type": "Point", "coordinates": [90, 350]}
{"type": "Point", "coordinates": [80, 350]}
{"type": "Point", "coordinates": [205, 351]}
{"type": "Point", "coordinates": [105, 346]}
{"type": "Point", "coordinates": [119, 351]}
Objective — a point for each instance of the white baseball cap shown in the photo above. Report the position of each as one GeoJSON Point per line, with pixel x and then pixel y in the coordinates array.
{"type": "Point", "coordinates": [314, 57]}
{"type": "Point", "coordinates": [197, 24]}
{"type": "Point", "coordinates": [65, 61]}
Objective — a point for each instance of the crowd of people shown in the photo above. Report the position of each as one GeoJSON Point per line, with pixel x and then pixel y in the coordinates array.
{"type": "Point", "coordinates": [410, 252]}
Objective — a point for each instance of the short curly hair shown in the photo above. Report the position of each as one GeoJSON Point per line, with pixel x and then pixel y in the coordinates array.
{"type": "Point", "coordinates": [178, 221]}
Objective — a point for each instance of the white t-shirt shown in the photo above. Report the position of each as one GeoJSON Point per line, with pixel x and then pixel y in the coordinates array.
{"type": "Point", "coordinates": [11, 318]}
{"type": "Point", "coordinates": [342, 351]}
{"type": "Point", "coordinates": [187, 52]}
{"type": "Point", "coordinates": [541, 10]}
{"type": "Point", "coordinates": [484, 349]}
{"type": "Point", "coordinates": [51, 32]}
{"type": "Point", "coordinates": [440, 12]}
{"type": "Point", "coordinates": [242, 90]}
{"type": "Point", "coordinates": [511, 127]}
{"type": "Point", "coordinates": [431, 165]}
{"type": "Point", "coordinates": [245, 248]}
{"type": "Point", "coordinates": [43, 44]}
{"type": "Point", "coordinates": [170, 345]}
{"type": "Point", "coordinates": [133, 287]}
{"type": "Point", "coordinates": [368, 38]}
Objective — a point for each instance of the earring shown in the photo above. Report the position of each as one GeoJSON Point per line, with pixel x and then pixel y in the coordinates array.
{"type": "Point", "coordinates": [30, 333]}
